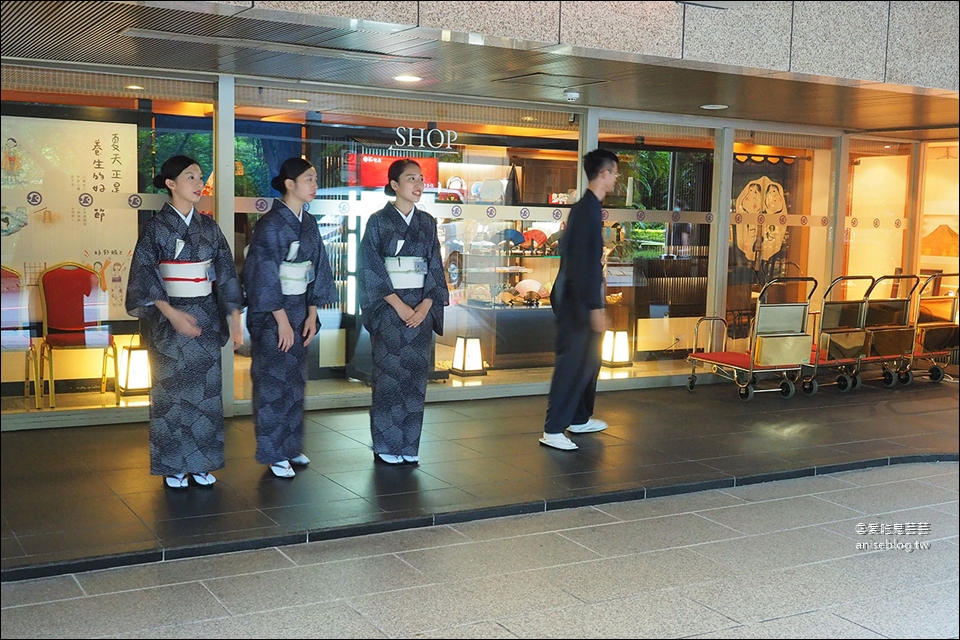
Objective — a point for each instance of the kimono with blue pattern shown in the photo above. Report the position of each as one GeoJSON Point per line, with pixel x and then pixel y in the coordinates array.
{"type": "Point", "coordinates": [186, 401]}
{"type": "Point", "coordinates": [401, 355]}
{"type": "Point", "coordinates": [279, 378]}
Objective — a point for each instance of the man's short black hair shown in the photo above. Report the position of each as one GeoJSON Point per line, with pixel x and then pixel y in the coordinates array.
{"type": "Point", "coordinates": [597, 160]}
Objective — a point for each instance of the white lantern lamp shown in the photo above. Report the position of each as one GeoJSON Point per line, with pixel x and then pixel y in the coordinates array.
{"type": "Point", "coordinates": [615, 351]}
{"type": "Point", "coordinates": [467, 357]}
{"type": "Point", "coordinates": [134, 368]}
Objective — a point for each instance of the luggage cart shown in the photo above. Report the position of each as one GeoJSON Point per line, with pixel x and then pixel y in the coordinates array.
{"type": "Point", "coordinates": [889, 323]}
{"type": "Point", "coordinates": [779, 345]}
{"type": "Point", "coordinates": [937, 330]}
{"type": "Point", "coordinates": [841, 339]}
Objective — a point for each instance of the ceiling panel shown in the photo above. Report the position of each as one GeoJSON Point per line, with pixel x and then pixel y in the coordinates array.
{"type": "Point", "coordinates": [35, 31]}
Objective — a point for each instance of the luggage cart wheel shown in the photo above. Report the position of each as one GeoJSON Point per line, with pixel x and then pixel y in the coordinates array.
{"type": "Point", "coordinates": [691, 383]}
{"type": "Point", "coordinates": [857, 381]}
{"type": "Point", "coordinates": [810, 387]}
{"type": "Point", "coordinates": [746, 393]}
{"type": "Point", "coordinates": [844, 383]}
{"type": "Point", "coordinates": [787, 389]}
{"type": "Point", "coordinates": [889, 379]}
{"type": "Point", "coordinates": [936, 373]}
{"type": "Point", "coordinates": [905, 377]}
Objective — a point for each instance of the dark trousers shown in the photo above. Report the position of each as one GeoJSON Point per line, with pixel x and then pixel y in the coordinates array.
{"type": "Point", "coordinates": [573, 388]}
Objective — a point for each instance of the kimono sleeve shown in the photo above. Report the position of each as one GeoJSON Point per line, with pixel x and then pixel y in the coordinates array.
{"type": "Point", "coordinates": [374, 281]}
{"type": "Point", "coordinates": [145, 284]}
{"type": "Point", "coordinates": [322, 290]}
{"type": "Point", "coordinates": [229, 291]}
{"type": "Point", "coordinates": [435, 281]}
{"type": "Point", "coordinates": [261, 269]}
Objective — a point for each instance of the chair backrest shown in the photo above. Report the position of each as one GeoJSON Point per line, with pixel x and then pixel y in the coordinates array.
{"type": "Point", "coordinates": [10, 290]}
{"type": "Point", "coordinates": [72, 298]}
{"type": "Point", "coordinates": [14, 318]}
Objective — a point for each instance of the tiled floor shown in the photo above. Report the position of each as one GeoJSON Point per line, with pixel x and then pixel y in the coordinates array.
{"type": "Point", "coordinates": [79, 499]}
{"type": "Point", "coordinates": [784, 559]}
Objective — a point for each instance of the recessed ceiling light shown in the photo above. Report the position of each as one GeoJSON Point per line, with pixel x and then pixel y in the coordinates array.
{"type": "Point", "coordinates": [134, 87]}
{"type": "Point", "coordinates": [714, 107]}
{"type": "Point", "coordinates": [407, 78]}
{"type": "Point", "coordinates": [528, 119]}
{"type": "Point", "coordinates": [297, 101]}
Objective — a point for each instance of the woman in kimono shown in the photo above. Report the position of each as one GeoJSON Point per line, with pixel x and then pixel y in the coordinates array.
{"type": "Point", "coordinates": [287, 276]}
{"type": "Point", "coordinates": [402, 294]}
{"type": "Point", "coordinates": [183, 285]}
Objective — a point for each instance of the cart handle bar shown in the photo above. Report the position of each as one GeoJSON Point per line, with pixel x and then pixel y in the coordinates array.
{"type": "Point", "coordinates": [788, 281]}
{"type": "Point", "coordinates": [826, 294]}
{"type": "Point", "coordinates": [906, 276]}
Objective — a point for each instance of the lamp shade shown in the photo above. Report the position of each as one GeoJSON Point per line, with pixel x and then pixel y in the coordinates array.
{"type": "Point", "coordinates": [615, 351]}
{"type": "Point", "coordinates": [467, 357]}
{"type": "Point", "coordinates": [134, 368]}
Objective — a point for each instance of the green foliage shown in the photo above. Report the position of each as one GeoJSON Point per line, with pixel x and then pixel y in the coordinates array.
{"type": "Point", "coordinates": [650, 171]}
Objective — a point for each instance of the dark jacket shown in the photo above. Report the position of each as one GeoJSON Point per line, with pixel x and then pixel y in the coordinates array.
{"type": "Point", "coordinates": [578, 289]}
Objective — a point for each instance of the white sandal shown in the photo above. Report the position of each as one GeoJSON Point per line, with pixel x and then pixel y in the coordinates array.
{"type": "Point", "coordinates": [301, 460]}
{"type": "Point", "coordinates": [178, 481]}
{"type": "Point", "coordinates": [282, 469]}
{"type": "Point", "coordinates": [204, 479]}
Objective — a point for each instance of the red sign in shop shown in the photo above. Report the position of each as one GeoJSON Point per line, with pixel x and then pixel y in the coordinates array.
{"type": "Point", "coordinates": [368, 170]}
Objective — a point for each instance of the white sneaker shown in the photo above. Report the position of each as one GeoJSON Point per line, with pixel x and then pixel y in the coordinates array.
{"type": "Point", "coordinates": [558, 441]}
{"type": "Point", "coordinates": [590, 426]}
{"type": "Point", "coordinates": [301, 460]}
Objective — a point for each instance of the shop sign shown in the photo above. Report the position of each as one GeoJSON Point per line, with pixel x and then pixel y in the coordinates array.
{"type": "Point", "coordinates": [435, 139]}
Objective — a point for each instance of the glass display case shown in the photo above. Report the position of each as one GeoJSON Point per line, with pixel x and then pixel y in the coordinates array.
{"type": "Point", "coordinates": [500, 276]}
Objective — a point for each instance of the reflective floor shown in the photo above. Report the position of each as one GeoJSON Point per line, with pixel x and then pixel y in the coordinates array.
{"type": "Point", "coordinates": [82, 498]}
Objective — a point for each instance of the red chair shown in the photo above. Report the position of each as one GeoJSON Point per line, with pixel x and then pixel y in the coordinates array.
{"type": "Point", "coordinates": [74, 308]}
{"type": "Point", "coordinates": [15, 329]}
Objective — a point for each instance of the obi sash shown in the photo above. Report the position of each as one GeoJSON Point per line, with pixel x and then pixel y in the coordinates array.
{"type": "Point", "coordinates": [406, 272]}
{"type": "Point", "coordinates": [187, 279]}
{"type": "Point", "coordinates": [295, 276]}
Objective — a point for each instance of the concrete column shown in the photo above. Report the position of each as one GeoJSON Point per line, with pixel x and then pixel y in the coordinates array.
{"type": "Point", "coordinates": [224, 162]}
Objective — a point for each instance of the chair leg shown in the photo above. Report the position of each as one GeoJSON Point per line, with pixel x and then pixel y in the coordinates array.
{"type": "Point", "coordinates": [103, 371]}
{"type": "Point", "coordinates": [36, 376]}
{"type": "Point", "coordinates": [26, 372]}
{"type": "Point", "coordinates": [116, 374]}
{"type": "Point", "coordinates": [53, 390]}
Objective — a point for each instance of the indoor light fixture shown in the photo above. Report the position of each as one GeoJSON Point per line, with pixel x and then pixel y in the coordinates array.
{"type": "Point", "coordinates": [134, 87]}
{"type": "Point", "coordinates": [134, 369]}
{"type": "Point", "coordinates": [282, 47]}
{"type": "Point", "coordinates": [615, 351]}
{"type": "Point", "coordinates": [297, 101]}
{"type": "Point", "coordinates": [714, 107]}
{"type": "Point", "coordinates": [467, 357]}
{"type": "Point", "coordinates": [407, 78]}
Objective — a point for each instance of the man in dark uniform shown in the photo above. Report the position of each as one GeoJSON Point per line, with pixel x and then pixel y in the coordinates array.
{"type": "Point", "coordinates": [578, 304]}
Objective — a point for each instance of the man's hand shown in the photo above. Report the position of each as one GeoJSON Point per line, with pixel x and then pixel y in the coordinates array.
{"type": "Point", "coordinates": [598, 320]}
